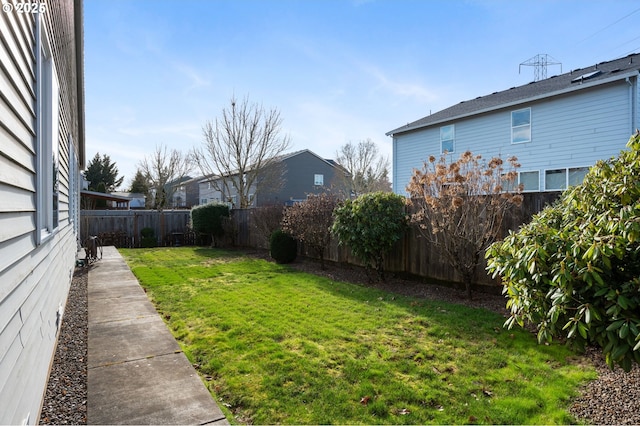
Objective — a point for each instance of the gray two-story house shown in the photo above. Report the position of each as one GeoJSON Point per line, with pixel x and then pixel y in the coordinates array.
{"type": "Point", "coordinates": [557, 127]}
{"type": "Point", "coordinates": [303, 173]}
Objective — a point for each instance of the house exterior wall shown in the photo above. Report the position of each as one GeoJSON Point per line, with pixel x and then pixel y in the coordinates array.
{"type": "Point", "coordinates": [36, 267]}
{"type": "Point", "coordinates": [572, 130]}
{"type": "Point", "coordinates": [208, 194]}
{"type": "Point", "coordinates": [299, 175]}
{"type": "Point", "coordinates": [300, 170]}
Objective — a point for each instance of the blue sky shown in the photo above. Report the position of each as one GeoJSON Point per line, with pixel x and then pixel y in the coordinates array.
{"type": "Point", "coordinates": [338, 71]}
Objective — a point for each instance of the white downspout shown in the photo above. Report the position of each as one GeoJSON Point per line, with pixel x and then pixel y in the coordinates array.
{"type": "Point", "coordinates": [632, 105]}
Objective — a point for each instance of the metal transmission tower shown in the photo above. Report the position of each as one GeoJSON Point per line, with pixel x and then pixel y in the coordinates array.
{"type": "Point", "coordinates": [539, 64]}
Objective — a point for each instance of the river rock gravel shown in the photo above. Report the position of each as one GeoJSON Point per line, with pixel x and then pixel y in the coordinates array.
{"type": "Point", "coordinates": [65, 400]}
{"type": "Point", "coordinates": [613, 398]}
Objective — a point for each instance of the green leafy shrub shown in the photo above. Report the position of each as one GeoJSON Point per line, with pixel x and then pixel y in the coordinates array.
{"type": "Point", "coordinates": [283, 247]}
{"type": "Point", "coordinates": [370, 225]}
{"type": "Point", "coordinates": [148, 237]}
{"type": "Point", "coordinates": [574, 270]}
{"type": "Point", "coordinates": [208, 220]}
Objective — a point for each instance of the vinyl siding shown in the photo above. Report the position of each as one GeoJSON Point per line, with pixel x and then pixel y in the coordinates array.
{"type": "Point", "coordinates": [573, 130]}
{"type": "Point", "coordinates": [34, 279]}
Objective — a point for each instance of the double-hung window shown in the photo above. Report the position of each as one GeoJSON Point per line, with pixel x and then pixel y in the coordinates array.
{"type": "Point", "coordinates": [318, 179]}
{"type": "Point", "coordinates": [521, 125]}
{"type": "Point", "coordinates": [47, 135]}
{"type": "Point", "coordinates": [447, 139]}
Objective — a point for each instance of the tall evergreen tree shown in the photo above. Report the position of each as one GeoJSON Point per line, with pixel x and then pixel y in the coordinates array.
{"type": "Point", "coordinates": [139, 184]}
{"type": "Point", "coordinates": [103, 170]}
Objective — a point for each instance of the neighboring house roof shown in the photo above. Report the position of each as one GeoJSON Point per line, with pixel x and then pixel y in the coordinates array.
{"type": "Point", "coordinates": [283, 157]}
{"type": "Point", "coordinates": [574, 80]}
{"type": "Point", "coordinates": [103, 196]}
{"type": "Point", "coordinates": [129, 195]}
{"type": "Point", "coordinates": [178, 182]}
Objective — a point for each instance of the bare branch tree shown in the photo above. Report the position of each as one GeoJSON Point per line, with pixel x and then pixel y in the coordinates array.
{"type": "Point", "coordinates": [368, 170]}
{"type": "Point", "coordinates": [161, 169]}
{"type": "Point", "coordinates": [241, 150]}
{"type": "Point", "coordinates": [459, 206]}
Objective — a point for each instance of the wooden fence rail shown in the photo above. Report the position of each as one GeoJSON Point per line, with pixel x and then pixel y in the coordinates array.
{"type": "Point", "coordinates": [121, 228]}
{"type": "Point", "coordinates": [412, 255]}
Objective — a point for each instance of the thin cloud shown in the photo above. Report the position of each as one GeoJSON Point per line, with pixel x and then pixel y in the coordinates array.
{"type": "Point", "coordinates": [195, 79]}
{"type": "Point", "coordinates": [405, 89]}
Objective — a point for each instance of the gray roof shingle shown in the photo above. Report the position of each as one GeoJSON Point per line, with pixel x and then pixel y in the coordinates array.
{"type": "Point", "coordinates": [573, 80]}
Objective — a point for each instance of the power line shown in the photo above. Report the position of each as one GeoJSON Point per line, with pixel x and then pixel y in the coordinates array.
{"type": "Point", "coordinates": [608, 26]}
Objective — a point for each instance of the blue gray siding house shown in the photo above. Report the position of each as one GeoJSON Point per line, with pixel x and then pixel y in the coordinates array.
{"type": "Point", "coordinates": [557, 127]}
{"type": "Point", "coordinates": [41, 154]}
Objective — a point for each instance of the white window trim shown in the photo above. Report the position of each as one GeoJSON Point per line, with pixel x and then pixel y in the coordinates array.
{"type": "Point", "coordinates": [575, 167]}
{"type": "Point", "coordinates": [522, 125]}
{"type": "Point", "coordinates": [555, 189]}
{"type": "Point", "coordinates": [318, 179]}
{"type": "Point", "coordinates": [566, 177]}
{"type": "Point", "coordinates": [529, 171]}
{"type": "Point", "coordinates": [47, 110]}
{"type": "Point", "coordinates": [453, 139]}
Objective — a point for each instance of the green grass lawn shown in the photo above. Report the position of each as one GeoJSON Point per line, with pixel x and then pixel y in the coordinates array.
{"type": "Point", "coordinates": [279, 346]}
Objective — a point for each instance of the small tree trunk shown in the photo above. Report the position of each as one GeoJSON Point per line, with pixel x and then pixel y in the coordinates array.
{"type": "Point", "coordinates": [380, 268]}
{"type": "Point", "coordinates": [468, 283]}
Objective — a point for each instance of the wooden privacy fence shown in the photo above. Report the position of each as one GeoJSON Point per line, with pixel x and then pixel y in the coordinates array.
{"type": "Point", "coordinates": [121, 228]}
{"type": "Point", "coordinates": [412, 255]}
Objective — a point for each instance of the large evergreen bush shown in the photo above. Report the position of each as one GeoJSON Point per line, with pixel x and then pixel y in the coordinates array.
{"type": "Point", "coordinates": [208, 219]}
{"type": "Point", "coordinates": [370, 225]}
{"type": "Point", "coordinates": [283, 247]}
{"type": "Point", "coordinates": [148, 238]}
{"type": "Point", "coordinates": [574, 270]}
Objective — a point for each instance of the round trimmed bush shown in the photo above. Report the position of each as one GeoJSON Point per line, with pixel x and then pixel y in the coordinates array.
{"type": "Point", "coordinates": [283, 247]}
{"type": "Point", "coordinates": [148, 237]}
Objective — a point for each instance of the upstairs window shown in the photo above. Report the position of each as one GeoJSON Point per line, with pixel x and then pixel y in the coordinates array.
{"type": "Point", "coordinates": [447, 139]}
{"type": "Point", "coordinates": [521, 126]}
{"type": "Point", "coordinates": [318, 180]}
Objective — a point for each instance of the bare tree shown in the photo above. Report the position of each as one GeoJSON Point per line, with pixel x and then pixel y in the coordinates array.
{"type": "Point", "coordinates": [368, 170]}
{"type": "Point", "coordinates": [241, 150]}
{"type": "Point", "coordinates": [264, 221]}
{"type": "Point", "coordinates": [162, 169]}
{"type": "Point", "coordinates": [459, 206]}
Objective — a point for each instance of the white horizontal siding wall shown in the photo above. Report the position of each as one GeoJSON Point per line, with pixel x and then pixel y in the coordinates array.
{"type": "Point", "coordinates": [34, 278]}
{"type": "Point", "coordinates": [574, 130]}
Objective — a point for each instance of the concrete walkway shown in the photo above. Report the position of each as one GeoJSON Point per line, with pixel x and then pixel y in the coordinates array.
{"type": "Point", "coordinates": [137, 373]}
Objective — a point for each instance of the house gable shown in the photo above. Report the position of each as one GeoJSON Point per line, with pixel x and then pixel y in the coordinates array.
{"type": "Point", "coordinates": [305, 173]}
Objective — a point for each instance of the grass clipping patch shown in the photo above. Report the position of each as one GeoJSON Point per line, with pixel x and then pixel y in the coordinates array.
{"type": "Point", "coordinates": [278, 346]}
